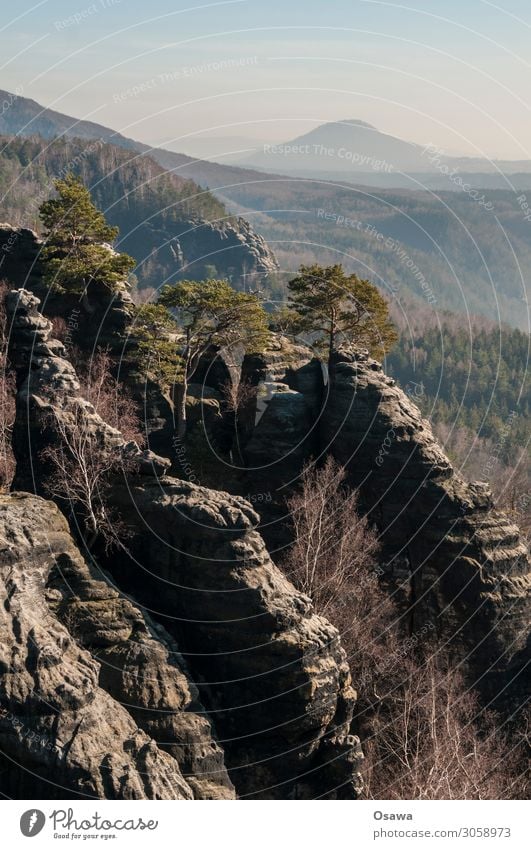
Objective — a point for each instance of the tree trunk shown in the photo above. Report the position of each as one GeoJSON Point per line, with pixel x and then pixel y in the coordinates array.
{"type": "Point", "coordinates": [331, 347]}
{"type": "Point", "coordinates": [180, 407]}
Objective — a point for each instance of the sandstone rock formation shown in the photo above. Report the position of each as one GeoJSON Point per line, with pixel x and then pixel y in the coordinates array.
{"type": "Point", "coordinates": [283, 427]}
{"type": "Point", "coordinates": [271, 672]}
{"type": "Point", "coordinates": [461, 565]}
{"type": "Point", "coordinates": [231, 246]}
{"type": "Point", "coordinates": [274, 673]}
{"type": "Point", "coordinates": [64, 731]}
{"type": "Point", "coordinates": [451, 560]}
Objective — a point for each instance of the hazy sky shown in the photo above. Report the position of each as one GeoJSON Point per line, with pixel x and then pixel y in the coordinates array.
{"type": "Point", "coordinates": [457, 74]}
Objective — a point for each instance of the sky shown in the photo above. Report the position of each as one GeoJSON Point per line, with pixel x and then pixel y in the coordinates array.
{"type": "Point", "coordinates": [224, 77]}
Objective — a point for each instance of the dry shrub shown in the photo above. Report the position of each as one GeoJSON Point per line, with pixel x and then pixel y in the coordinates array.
{"type": "Point", "coordinates": [238, 399]}
{"type": "Point", "coordinates": [110, 398]}
{"type": "Point", "coordinates": [333, 559]}
{"type": "Point", "coordinates": [431, 739]}
{"type": "Point", "coordinates": [82, 467]}
{"type": "Point", "coordinates": [59, 328]}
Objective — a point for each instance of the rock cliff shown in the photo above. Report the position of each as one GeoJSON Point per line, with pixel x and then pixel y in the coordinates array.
{"type": "Point", "coordinates": [270, 671]}
{"type": "Point", "coordinates": [462, 565]}
{"type": "Point", "coordinates": [79, 664]}
{"type": "Point", "coordinates": [449, 558]}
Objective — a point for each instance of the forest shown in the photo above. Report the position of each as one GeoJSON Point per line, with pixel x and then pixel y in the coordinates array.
{"type": "Point", "coordinates": [471, 259]}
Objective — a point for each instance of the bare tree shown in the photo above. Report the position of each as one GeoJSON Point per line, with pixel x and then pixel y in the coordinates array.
{"type": "Point", "coordinates": [424, 734]}
{"type": "Point", "coordinates": [81, 464]}
{"type": "Point", "coordinates": [111, 399]}
{"type": "Point", "coordinates": [333, 559]}
{"type": "Point", "coordinates": [334, 549]}
{"type": "Point", "coordinates": [81, 468]}
{"type": "Point", "coordinates": [431, 740]}
{"type": "Point", "coordinates": [237, 398]}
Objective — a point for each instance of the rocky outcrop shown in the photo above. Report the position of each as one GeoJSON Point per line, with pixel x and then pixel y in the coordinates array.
{"type": "Point", "coordinates": [451, 560]}
{"type": "Point", "coordinates": [191, 247]}
{"type": "Point", "coordinates": [273, 671]}
{"type": "Point", "coordinates": [457, 562]}
{"type": "Point", "coordinates": [49, 399]}
{"type": "Point", "coordinates": [64, 730]}
{"type": "Point", "coordinates": [280, 425]}
{"type": "Point", "coordinates": [270, 671]}
{"type": "Point", "coordinates": [142, 668]}
{"type": "Point", "coordinates": [98, 319]}
{"type": "Point", "coordinates": [231, 247]}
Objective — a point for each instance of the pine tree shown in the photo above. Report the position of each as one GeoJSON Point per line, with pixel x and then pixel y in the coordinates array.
{"type": "Point", "coordinates": [336, 309]}
{"type": "Point", "coordinates": [210, 312]}
{"type": "Point", "coordinates": [77, 248]}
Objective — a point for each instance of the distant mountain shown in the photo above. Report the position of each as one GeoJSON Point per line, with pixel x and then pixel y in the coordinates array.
{"type": "Point", "coordinates": [354, 149]}
{"type": "Point", "coordinates": [342, 147]}
{"type": "Point", "coordinates": [350, 151]}
{"type": "Point", "coordinates": [470, 254]}
{"type": "Point", "coordinates": [26, 117]}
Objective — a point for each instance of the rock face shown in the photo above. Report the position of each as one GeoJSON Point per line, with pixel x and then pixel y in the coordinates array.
{"type": "Point", "coordinates": [190, 249]}
{"type": "Point", "coordinates": [274, 672]}
{"type": "Point", "coordinates": [233, 248]}
{"type": "Point", "coordinates": [460, 564]}
{"type": "Point", "coordinates": [99, 320]}
{"type": "Point", "coordinates": [270, 671]}
{"type": "Point", "coordinates": [49, 396]}
{"type": "Point", "coordinates": [65, 729]}
{"type": "Point", "coordinates": [281, 423]}
{"type": "Point", "coordinates": [451, 560]}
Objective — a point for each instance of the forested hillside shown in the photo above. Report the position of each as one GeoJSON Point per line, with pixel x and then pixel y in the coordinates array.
{"type": "Point", "coordinates": [473, 384]}
{"type": "Point", "coordinates": [444, 249]}
{"type": "Point", "coordinates": [168, 224]}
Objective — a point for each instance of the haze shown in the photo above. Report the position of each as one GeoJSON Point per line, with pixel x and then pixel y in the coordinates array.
{"type": "Point", "coordinates": [212, 79]}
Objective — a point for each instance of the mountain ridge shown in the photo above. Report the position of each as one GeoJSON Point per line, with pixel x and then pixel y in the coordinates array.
{"type": "Point", "coordinates": [25, 116]}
